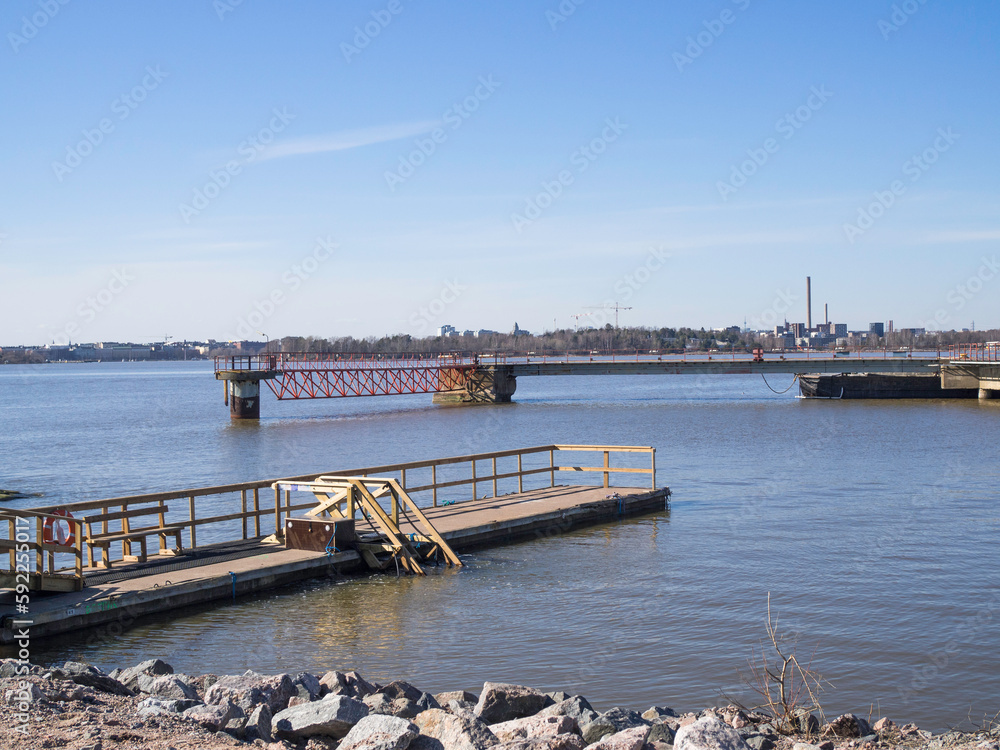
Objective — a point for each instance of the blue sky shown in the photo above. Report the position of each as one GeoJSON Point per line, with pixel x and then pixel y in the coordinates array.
{"type": "Point", "coordinates": [208, 169]}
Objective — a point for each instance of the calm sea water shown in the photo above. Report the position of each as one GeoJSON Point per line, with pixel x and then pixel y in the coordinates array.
{"type": "Point", "coordinates": [873, 526]}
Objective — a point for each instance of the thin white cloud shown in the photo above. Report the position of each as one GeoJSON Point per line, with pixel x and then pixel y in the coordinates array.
{"type": "Point", "coordinates": [321, 144]}
{"type": "Point", "coordinates": [970, 235]}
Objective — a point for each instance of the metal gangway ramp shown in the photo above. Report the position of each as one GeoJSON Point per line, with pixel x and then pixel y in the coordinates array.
{"type": "Point", "coordinates": [344, 498]}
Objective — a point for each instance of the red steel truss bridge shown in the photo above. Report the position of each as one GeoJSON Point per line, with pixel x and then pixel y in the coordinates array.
{"type": "Point", "coordinates": [295, 375]}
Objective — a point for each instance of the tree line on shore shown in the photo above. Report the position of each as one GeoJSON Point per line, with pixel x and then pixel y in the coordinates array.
{"type": "Point", "coordinates": [604, 340]}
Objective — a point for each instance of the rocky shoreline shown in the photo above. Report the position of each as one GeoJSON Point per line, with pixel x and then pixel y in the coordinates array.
{"type": "Point", "coordinates": [79, 707]}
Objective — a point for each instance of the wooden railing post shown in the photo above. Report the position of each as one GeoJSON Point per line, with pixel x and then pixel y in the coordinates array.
{"type": "Point", "coordinates": [607, 463]}
{"type": "Point", "coordinates": [434, 483]}
{"type": "Point", "coordinates": [39, 555]}
{"type": "Point", "coordinates": [652, 468]}
{"type": "Point", "coordinates": [192, 528]}
{"type": "Point", "coordinates": [277, 512]}
{"type": "Point", "coordinates": [473, 479]}
{"type": "Point", "coordinates": [494, 476]}
{"type": "Point", "coordinates": [256, 511]}
{"type": "Point", "coordinates": [552, 467]}
{"type": "Point", "coordinates": [79, 549]}
{"type": "Point", "coordinates": [243, 509]}
{"type": "Point", "coordinates": [520, 474]}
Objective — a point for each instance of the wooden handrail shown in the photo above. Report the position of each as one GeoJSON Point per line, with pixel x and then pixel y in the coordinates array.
{"type": "Point", "coordinates": [283, 507]}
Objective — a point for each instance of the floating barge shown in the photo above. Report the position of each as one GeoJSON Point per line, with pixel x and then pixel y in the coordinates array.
{"type": "Point", "coordinates": [879, 386]}
{"type": "Point", "coordinates": [280, 531]}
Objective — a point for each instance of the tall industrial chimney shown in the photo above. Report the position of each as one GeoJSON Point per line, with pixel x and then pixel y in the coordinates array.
{"type": "Point", "coordinates": [809, 304]}
{"type": "Point", "coordinates": [826, 313]}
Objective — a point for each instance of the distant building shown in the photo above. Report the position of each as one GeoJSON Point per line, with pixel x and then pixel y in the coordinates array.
{"type": "Point", "coordinates": [518, 331]}
{"type": "Point", "coordinates": [445, 330]}
{"type": "Point", "coordinates": [483, 332]}
{"type": "Point", "coordinates": [839, 329]}
{"type": "Point", "coordinates": [798, 330]}
{"type": "Point", "coordinates": [877, 329]}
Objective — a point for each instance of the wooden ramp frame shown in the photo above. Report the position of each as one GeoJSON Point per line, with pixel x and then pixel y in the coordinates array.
{"type": "Point", "coordinates": [343, 497]}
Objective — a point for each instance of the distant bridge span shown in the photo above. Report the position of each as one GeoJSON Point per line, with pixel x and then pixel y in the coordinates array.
{"type": "Point", "coordinates": [492, 377]}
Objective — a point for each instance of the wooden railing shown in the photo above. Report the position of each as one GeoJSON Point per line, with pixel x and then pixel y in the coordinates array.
{"type": "Point", "coordinates": [38, 571]}
{"type": "Point", "coordinates": [258, 503]}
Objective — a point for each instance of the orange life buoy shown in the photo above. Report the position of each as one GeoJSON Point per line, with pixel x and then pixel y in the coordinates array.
{"type": "Point", "coordinates": [56, 531]}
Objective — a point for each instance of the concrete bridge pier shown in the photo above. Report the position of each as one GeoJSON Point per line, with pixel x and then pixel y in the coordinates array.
{"type": "Point", "coordinates": [982, 375]}
{"type": "Point", "coordinates": [493, 384]}
{"type": "Point", "coordinates": [242, 392]}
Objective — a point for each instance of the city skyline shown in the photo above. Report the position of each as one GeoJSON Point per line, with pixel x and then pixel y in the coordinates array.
{"type": "Point", "coordinates": [188, 169]}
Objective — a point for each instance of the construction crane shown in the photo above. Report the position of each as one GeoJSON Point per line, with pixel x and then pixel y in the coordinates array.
{"type": "Point", "coordinates": [577, 317]}
{"type": "Point", "coordinates": [616, 308]}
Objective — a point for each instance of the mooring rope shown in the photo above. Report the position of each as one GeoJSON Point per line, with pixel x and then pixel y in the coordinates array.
{"type": "Point", "coordinates": [779, 392]}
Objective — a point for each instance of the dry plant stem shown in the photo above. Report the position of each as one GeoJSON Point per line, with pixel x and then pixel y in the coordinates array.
{"type": "Point", "coordinates": [787, 688]}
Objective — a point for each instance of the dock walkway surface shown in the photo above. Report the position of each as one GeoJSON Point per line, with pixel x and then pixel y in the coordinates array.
{"type": "Point", "coordinates": [113, 599]}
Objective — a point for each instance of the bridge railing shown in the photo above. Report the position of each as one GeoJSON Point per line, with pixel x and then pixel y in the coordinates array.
{"type": "Point", "coordinates": [987, 352]}
{"type": "Point", "coordinates": [249, 510]}
{"type": "Point", "coordinates": [340, 360]}
{"type": "Point", "coordinates": [326, 361]}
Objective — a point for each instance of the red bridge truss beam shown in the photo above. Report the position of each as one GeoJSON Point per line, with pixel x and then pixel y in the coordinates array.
{"type": "Point", "coordinates": [334, 381]}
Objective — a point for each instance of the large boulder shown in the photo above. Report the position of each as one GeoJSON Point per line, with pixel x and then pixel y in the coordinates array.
{"type": "Point", "coordinates": [334, 716]}
{"type": "Point", "coordinates": [159, 706]}
{"type": "Point", "coordinates": [555, 742]}
{"type": "Point", "coordinates": [611, 722]}
{"type": "Point", "coordinates": [628, 739]}
{"type": "Point", "coordinates": [658, 713]}
{"type": "Point", "coordinates": [805, 722]}
{"type": "Point", "coordinates": [151, 667]}
{"type": "Point", "coordinates": [173, 687]}
{"type": "Point", "coordinates": [258, 725]}
{"type": "Point", "coordinates": [214, 718]}
{"type": "Point", "coordinates": [27, 692]}
{"type": "Point", "coordinates": [84, 674]}
{"type": "Point", "coordinates": [379, 732]}
{"type": "Point", "coordinates": [400, 689]}
{"type": "Point", "coordinates": [440, 730]}
{"type": "Point", "coordinates": [65, 691]}
{"type": "Point", "coordinates": [350, 684]}
{"type": "Point", "coordinates": [708, 733]}
{"type": "Point", "coordinates": [503, 702]}
{"type": "Point", "coordinates": [464, 696]}
{"type": "Point", "coordinates": [661, 731]}
{"type": "Point", "coordinates": [308, 685]}
{"type": "Point", "coordinates": [848, 725]}
{"type": "Point", "coordinates": [10, 668]}
{"type": "Point", "coordinates": [534, 726]}
{"type": "Point", "coordinates": [380, 703]}
{"type": "Point", "coordinates": [576, 707]}
{"type": "Point", "coordinates": [251, 689]}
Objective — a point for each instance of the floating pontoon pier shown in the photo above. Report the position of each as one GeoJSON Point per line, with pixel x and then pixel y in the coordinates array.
{"type": "Point", "coordinates": [77, 565]}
